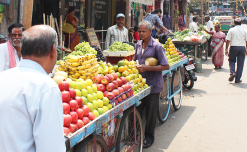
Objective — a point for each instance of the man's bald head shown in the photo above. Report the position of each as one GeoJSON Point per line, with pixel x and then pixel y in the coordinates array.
{"type": "Point", "coordinates": [38, 41]}
{"type": "Point", "coordinates": [237, 21]}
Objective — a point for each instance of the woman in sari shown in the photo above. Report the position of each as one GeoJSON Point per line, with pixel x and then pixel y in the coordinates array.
{"type": "Point", "coordinates": [217, 43]}
{"type": "Point", "coordinates": [71, 40]}
{"type": "Point", "coordinates": [181, 23]}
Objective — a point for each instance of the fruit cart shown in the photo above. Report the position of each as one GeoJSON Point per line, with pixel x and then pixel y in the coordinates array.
{"type": "Point", "coordinates": [113, 130]}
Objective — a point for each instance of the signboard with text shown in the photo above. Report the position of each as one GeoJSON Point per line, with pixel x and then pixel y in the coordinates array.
{"type": "Point", "coordinates": [93, 40]}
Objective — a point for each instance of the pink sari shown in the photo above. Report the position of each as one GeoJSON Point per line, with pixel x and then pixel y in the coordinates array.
{"type": "Point", "coordinates": [217, 47]}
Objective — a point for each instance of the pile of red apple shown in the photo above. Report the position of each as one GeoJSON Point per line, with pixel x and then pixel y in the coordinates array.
{"type": "Point", "coordinates": [114, 88]}
{"type": "Point", "coordinates": [75, 114]}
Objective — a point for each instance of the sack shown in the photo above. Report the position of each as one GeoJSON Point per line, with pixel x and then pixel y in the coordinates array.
{"type": "Point", "coordinates": [5, 2]}
{"type": "Point", "coordinates": [67, 27]}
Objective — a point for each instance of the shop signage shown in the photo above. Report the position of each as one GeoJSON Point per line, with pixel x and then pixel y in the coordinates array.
{"type": "Point", "coordinates": [93, 40]}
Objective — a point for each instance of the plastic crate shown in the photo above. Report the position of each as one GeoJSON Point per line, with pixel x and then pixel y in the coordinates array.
{"type": "Point", "coordinates": [114, 57]}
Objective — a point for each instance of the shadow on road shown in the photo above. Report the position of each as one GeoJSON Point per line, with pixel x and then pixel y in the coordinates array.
{"type": "Point", "coordinates": [240, 85]}
{"type": "Point", "coordinates": [193, 92]}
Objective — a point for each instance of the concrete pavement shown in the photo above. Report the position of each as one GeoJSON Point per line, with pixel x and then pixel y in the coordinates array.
{"type": "Point", "coordinates": [213, 116]}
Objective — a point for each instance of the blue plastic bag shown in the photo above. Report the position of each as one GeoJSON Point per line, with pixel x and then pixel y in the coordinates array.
{"type": "Point", "coordinates": [5, 2]}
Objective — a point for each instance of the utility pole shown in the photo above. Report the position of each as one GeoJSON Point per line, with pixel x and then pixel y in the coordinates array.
{"type": "Point", "coordinates": [202, 10]}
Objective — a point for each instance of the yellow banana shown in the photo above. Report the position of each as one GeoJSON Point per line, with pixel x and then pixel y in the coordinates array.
{"type": "Point", "coordinates": [83, 77]}
{"type": "Point", "coordinates": [87, 66]}
{"type": "Point", "coordinates": [73, 58]}
{"type": "Point", "coordinates": [71, 72]}
{"type": "Point", "coordinates": [77, 75]}
{"type": "Point", "coordinates": [81, 67]}
{"type": "Point", "coordinates": [57, 69]}
{"type": "Point", "coordinates": [82, 59]}
{"type": "Point", "coordinates": [83, 72]}
{"type": "Point", "coordinates": [73, 68]}
{"type": "Point", "coordinates": [75, 64]}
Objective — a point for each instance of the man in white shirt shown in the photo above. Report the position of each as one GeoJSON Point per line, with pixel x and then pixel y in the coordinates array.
{"type": "Point", "coordinates": [209, 27]}
{"type": "Point", "coordinates": [10, 52]}
{"type": "Point", "coordinates": [193, 25]}
{"type": "Point", "coordinates": [237, 38]}
{"type": "Point", "coordinates": [31, 118]}
{"type": "Point", "coordinates": [191, 17]}
{"type": "Point", "coordinates": [117, 32]}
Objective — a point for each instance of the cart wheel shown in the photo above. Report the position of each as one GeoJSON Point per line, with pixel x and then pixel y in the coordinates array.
{"type": "Point", "coordinates": [126, 134]}
{"type": "Point", "coordinates": [164, 105]}
{"type": "Point", "coordinates": [176, 85]}
{"type": "Point", "coordinates": [87, 145]}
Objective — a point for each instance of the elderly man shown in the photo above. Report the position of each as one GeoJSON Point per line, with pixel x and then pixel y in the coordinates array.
{"type": "Point", "coordinates": [149, 47]}
{"type": "Point", "coordinates": [193, 25]}
{"type": "Point", "coordinates": [10, 52]}
{"type": "Point", "coordinates": [237, 38]}
{"type": "Point", "coordinates": [31, 105]}
{"type": "Point", "coordinates": [117, 32]}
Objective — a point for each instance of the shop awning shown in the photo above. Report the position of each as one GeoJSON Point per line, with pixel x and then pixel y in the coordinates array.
{"type": "Point", "coordinates": [145, 2]}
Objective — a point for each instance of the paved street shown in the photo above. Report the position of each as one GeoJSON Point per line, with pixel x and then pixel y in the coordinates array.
{"type": "Point", "coordinates": [212, 117]}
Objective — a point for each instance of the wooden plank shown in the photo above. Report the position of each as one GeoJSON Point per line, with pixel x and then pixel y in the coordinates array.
{"type": "Point", "coordinates": [27, 13]}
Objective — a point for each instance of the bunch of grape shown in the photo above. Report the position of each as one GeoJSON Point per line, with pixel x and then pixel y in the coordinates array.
{"type": "Point", "coordinates": [99, 55]}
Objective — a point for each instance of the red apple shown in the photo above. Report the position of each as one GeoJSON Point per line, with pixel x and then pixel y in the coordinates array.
{"type": "Point", "coordinates": [110, 96]}
{"type": "Point", "coordinates": [119, 99]}
{"type": "Point", "coordinates": [73, 105]}
{"type": "Point", "coordinates": [101, 87]}
{"type": "Point", "coordinates": [79, 101]}
{"type": "Point", "coordinates": [65, 96]}
{"type": "Point", "coordinates": [110, 87]}
{"type": "Point", "coordinates": [125, 87]}
{"type": "Point", "coordinates": [120, 83]}
{"type": "Point", "coordinates": [91, 116]}
{"type": "Point", "coordinates": [124, 96]}
{"type": "Point", "coordinates": [85, 110]}
{"type": "Point", "coordinates": [105, 93]}
{"type": "Point", "coordinates": [128, 85]}
{"type": "Point", "coordinates": [111, 77]}
{"type": "Point", "coordinates": [72, 93]}
{"type": "Point", "coordinates": [66, 131]}
{"type": "Point", "coordinates": [85, 120]}
{"type": "Point", "coordinates": [123, 80]}
{"type": "Point", "coordinates": [115, 83]}
{"type": "Point", "coordinates": [97, 78]}
{"type": "Point", "coordinates": [67, 120]}
{"type": "Point", "coordinates": [66, 108]}
{"type": "Point", "coordinates": [127, 94]}
{"type": "Point", "coordinates": [63, 85]}
{"type": "Point", "coordinates": [115, 92]}
{"type": "Point", "coordinates": [79, 123]}
{"type": "Point", "coordinates": [80, 113]}
{"type": "Point", "coordinates": [105, 80]}
{"type": "Point", "coordinates": [73, 128]}
{"type": "Point", "coordinates": [131, 92]}
{"type": "Point", "coordinates": [116, 102]}
{"type": "Point", "coordinates": [115, 76]}
{"type": "Point", "coordinates": [121, 90]}
{"type": "Point", "coordinates": [74, 116]}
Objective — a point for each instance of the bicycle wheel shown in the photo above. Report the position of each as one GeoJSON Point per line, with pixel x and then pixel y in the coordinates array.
{"type": "Point", "coordinates": [87, 145]}
{"type": "Point", "coordinates": [176, 85]}
{"type": "Point", "coordinates": [189, 81]}
{"type": "Point", "coordinates": [164, 104]}
{"type": "Point", "coordinates": [126, 133]}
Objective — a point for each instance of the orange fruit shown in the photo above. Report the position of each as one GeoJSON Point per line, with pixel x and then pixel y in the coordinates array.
{"type": "Point", "coordinates": [121, 69]}
{"type": "Point", "coordinates": [130, 72]}
{"type": "Point", "coordinates": [170, 43]}
{"type": "Point", "coordinates": [170, 46]}
{"type": "Point", "coordinates": [111, 71]}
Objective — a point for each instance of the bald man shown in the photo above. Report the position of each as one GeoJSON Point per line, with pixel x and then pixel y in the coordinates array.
{"type": "Point", "coordinates": [237, 38]}
{"type": "Point", "coordinates": [31, 105]}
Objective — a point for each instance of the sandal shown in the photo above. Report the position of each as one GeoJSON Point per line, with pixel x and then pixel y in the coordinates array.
{"type": "Point", "coordinates": [147, 143]}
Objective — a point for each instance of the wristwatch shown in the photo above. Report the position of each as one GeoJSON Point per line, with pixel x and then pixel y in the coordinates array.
{"type": "Point", "coordinates": [170, 31]}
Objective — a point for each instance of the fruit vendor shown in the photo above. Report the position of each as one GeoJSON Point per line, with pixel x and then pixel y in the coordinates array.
{"type": "Point", "coordinates": [31, 111]}
{"type": "Point", "coordinates": [10, 52]}
{"type": "Point", "coordinates": [146, 48]}
{"type": "Point", "coordinates": [117, 32]}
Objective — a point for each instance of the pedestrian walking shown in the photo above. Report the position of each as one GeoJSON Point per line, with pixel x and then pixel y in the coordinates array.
{"type": "Point", "coordinates": [193, 25]}
{"type": "Point", "coordinates": [210, 27]}
{"type": "Point", "coordinates": [166, 21]}
{"type": "Point", "coordinates": [237, 38]}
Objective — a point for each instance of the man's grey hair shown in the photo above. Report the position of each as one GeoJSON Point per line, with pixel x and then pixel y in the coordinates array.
{"type": "Point", "coordinates": [147, 23]}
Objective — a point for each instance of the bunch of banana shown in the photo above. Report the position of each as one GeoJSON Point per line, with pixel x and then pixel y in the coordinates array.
{"type": "Point", "coordinates": [62, 66]}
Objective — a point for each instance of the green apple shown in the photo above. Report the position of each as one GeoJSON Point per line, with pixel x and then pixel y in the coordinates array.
{"type": "Point", "coordinates": [95, 96]}
{"type": "Point", "coordinates": [105, 108]}
{"type": "Point", "coordinates": [79, 80]}
{"type": "Point", "coordinates": [96, 113]}
{"type": "Point", "coordinates": [95, 104]}
{"type": "Point", "coordinates": [90, 98]}
{"type": "Point", "coordinates": [89, 82]}
{"type": "Point", "coordinates": [84, 84]}
{"type": "Point", "coordinates": [90, 106]}
{"type": "Point", "coordinates": [78, 85]}
{"type": "Point", "coordinates": [72, 84]}
{"type": "Point", "coordinates": [84, 92]}
{"type": "Point", "coordinates": [94, 88]}
{"type": "Point", "coordinates": [78, 92]}
{"type": "Point", "coordinates": [100, 103]}
{"type": "Point", "coordinates": [101, 111]}
{"type": "Point", "coordinates": [100, 95]}
{"type": "Point", "coordinates": [90, 90]}
{"type": "Point", "coordinates": [84, 99]}
{"type": "Point", "coordinates": [105, 101]}
{"type": "Point", "coordinates": [109, 106]}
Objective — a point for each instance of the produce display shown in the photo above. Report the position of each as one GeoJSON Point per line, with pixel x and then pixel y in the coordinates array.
{"type": "Point", "coordinates": [83, 49]}
{"type": "Point", "coordinates": [99, 55]}
{"type": "Point", "coordinates": [187, 35]}
{"type": "Point", "coordinates": [119, 46]}
{"type": "Point", "coordinates": [172, 53]}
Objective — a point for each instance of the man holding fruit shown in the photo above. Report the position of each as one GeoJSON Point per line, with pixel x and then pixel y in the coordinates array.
{"type": "Point", "coordinates": [146, 48]}
{"type": "Point", "coordinates": [31, 117]}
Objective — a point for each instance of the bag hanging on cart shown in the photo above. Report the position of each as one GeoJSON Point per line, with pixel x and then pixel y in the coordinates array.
{"type": "Point", "coordinates": [67, 27]}
{"type": "Point", "coordinates": [5, 2]}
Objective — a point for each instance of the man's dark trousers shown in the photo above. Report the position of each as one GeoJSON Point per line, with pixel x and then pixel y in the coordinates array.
{"type": "Point", "coordinates": [209, 47]}
{"type": "Point", "coordinates": [237, 53]}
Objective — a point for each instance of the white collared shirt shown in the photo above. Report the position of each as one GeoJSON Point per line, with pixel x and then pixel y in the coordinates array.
{"type": "Point", "coordinates": [31, 118]}
{"type": "Point", "coordinates": [193, 27]}
{"type": "Point", "coordinates": [4, 57]}
{"type": "Point", "coordinates": [237, 36]}
{"type": "Point", "coordinates": [115, 34]}
{"type": "Point", "coordinates": [210, 25]}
